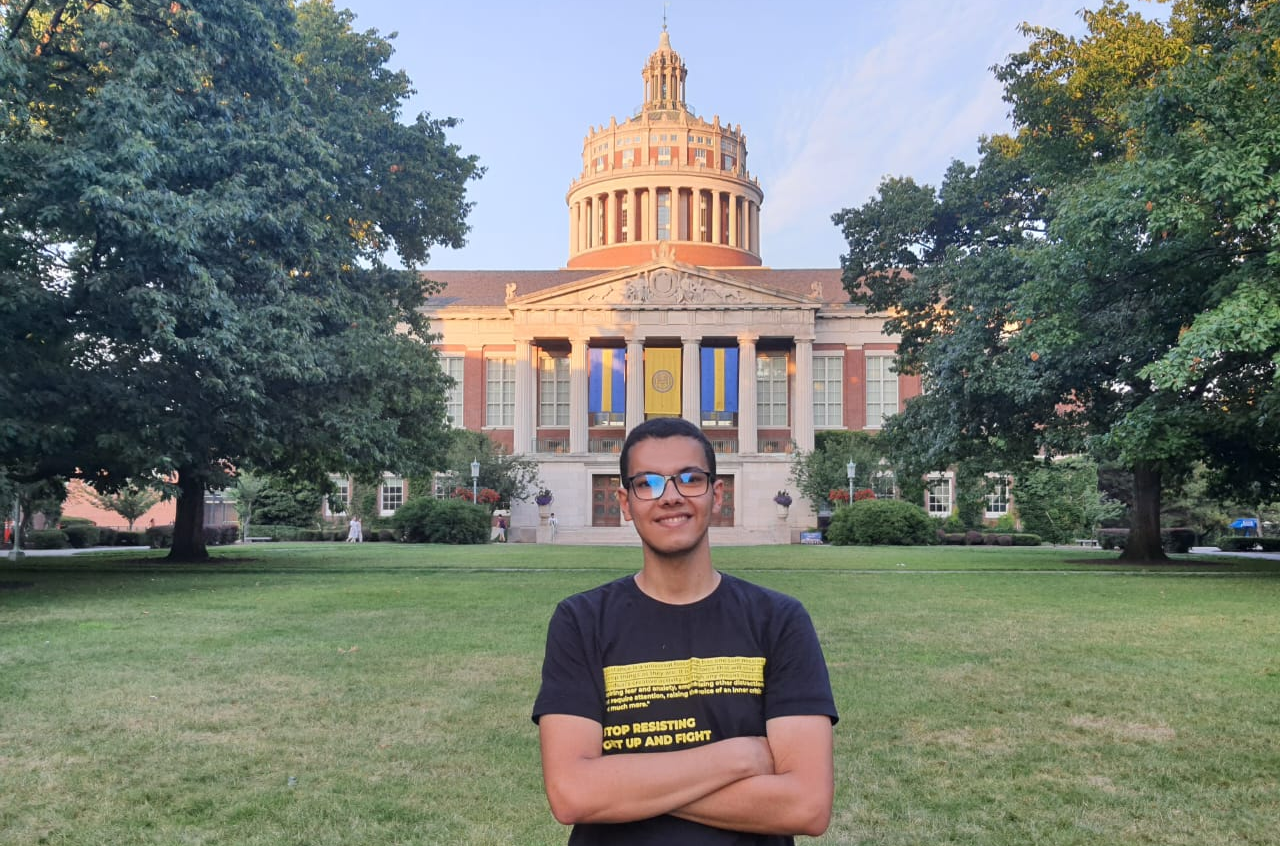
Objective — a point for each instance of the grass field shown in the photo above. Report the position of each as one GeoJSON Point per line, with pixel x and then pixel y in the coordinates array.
{"type": "Point", "coordinates": [331, 694]}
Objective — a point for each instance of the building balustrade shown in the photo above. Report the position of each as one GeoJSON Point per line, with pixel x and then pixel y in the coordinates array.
{"type": "Point", "coordinates": [554, 445]}
{"type": "Point", "coordinates": [605, 445]}
{"type": "Point", "coordinates": [777, 445]}
{"type": "Point", "coordinates": [724, 446]}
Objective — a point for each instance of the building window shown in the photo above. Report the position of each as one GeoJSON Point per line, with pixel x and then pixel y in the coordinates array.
{"type": "Point", "coordinates": [828, 397]}
{"type": "Point", "coordinates": [553, 390]}
{"type": "Point", "coordinates": [452, 365]}
{"type": "Point", "coordinates": [390, 495]}
{"type": "Point", "coordinates": [624, 206]}
{"type": "Point", "coordinates": [998, 495]}
{"type": "Point", "coordinates": [664, 214]}
{"type": "Point", "coordinates": [500, 393]}
{"type": "Point", "coordinates": [884, 484]}
{"type": "Point", "coordinates": [771, 390]}
{"type": "Point", "coordinates": [882, 390]}
{"type": "Point", "coordinates": [336, 503]}
{"type": "Point", "coordinates": [700, 157]}
{"type": "Point", "coordinates": [664, 155]}
{"type": "Point", "coordinates": [629, 157]}
{"type": "Point", "coordinates": [938, 496]}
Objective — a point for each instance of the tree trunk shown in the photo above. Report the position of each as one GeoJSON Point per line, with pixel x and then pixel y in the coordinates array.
{"type": "Point", "coordinates": [188, 524]}
{"type": "Point", "coordinates": [1143, 545]}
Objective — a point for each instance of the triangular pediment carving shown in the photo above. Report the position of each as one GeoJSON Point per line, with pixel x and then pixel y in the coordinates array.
{"type": "Point", "coordinates": [661, 284]}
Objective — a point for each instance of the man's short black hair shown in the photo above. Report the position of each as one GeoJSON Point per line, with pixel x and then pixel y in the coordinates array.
{"type": "Point", "coordinates": [665, 427]}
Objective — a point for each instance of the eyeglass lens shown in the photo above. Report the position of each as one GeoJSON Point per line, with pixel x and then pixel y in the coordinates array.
{"type": "Point", "coordinates": [654, 485]}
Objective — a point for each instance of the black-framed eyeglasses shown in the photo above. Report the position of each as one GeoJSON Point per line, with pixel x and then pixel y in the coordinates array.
{"type": "Point", "coordinates": [654, 485]}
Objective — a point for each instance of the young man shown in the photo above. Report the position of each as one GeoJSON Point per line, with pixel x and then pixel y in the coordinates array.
{"type": "Point", "coordinates": [682, 705]}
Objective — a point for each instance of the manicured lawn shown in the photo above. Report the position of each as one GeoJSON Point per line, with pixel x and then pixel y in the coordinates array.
{"type": "Point", "coordinates": [989, 696]}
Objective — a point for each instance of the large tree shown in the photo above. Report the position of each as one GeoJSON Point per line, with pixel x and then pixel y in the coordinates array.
{"type": "Point", "coordinates": [198, 199]}
{"type": "Point", "coordinates": [1053, 294]}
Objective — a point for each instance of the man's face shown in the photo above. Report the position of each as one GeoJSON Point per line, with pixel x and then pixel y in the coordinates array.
{"type": "Point", "coordinates": [674, 523]}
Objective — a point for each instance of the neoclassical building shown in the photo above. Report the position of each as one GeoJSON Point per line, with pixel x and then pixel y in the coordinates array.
{"type": "Point", "coordinates": [664, 308]}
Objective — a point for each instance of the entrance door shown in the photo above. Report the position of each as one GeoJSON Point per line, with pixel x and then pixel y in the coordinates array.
{"type": "Point", "coordinates": [724, 517]}
{"type": "Point", "coordinates": [604, 501]}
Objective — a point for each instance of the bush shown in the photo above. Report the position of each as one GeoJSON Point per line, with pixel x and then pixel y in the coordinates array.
{"type": "Point", "coordinates": [45, 539]}
{"type": "Point", "coordinates": [81, 535]}
{"type": "Point", "coordinates": [881, 521]}
{"type": "Point", "coordinates": [160, 537]}
{"type": "Point", "coordinates": [1025, 539]}
{"type": "Point", "coordinates": [107, 536]}
{"type": "Point", "coordinates": [972, 538]}
{"type": "Point", "coordinates": [223, 534]}
{"type": "Point", "coordinates": [131, 538]}
{"type": "Point", "coordinates": [1178, 540]}
{"type": "Point", "coordinates": [427, 520]}
{"type": "Point", "coordinates": [1236, 543]}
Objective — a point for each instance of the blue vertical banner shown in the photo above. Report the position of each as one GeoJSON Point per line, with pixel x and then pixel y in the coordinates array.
{"type": "Point", "coordinates": [720, 379]}
{"type": "Point", "coordinates": [607, 383]}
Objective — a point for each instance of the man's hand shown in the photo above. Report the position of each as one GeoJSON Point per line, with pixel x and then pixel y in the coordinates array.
{"type": "Point", "coordinates": [586, 786]}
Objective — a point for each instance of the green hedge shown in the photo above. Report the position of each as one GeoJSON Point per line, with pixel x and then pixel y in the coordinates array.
{"type": "Point", "coordinates": [427, 520]}
{"type": "Point", "coordinates": [45, 539]}
{"type": "Point", "coordinates": [879, 522]}
{"type": "Point", "coordinates": [1235, 543]}
{"type": "Point", "coordinates": [81, 535]}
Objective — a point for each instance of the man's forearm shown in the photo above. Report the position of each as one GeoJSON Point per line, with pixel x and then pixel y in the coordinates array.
{"type": "Point", "coordinates": [764, 804]}
{"type": "Point", "coordinates": [624, 788]}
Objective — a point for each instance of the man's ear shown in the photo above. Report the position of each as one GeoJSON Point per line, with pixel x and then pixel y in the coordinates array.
{"type": "Point", "coordinates": [624, 504]}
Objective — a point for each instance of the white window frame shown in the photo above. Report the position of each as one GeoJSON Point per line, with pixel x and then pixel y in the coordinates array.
{"type": "Point", "coordinates": [933, 502]}
{"type": "Point", "coordinates": [998, 499]}
{"type": "Point", "coordinates": [882, 390]}
{"type": "Point", "coordinates": [771, 390]}
{"type": "Point", "coordinates": [828, 391]}
{"type": "Point", "coordinates": [499, 392]}
{"type": "Point", "coordinates": [553, 390]}
{"type": "Point", "coordinates": [343, 494]}
{"type": "Point", "coordinates": [454, 366]}
{"type": "Point", "coordinates": [390, 495]}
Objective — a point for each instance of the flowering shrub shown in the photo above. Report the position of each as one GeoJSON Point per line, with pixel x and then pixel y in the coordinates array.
{"type": "Point", "coordinates": [865, 493]}
{"type": "Point", "coordinates": [782, 498]}
{"type": "Point", "coordinates": [485, 496]}
{"type": "Point", "coordinates": [838, 495]}
{"type": "Point", "coordinates": [543, 497]}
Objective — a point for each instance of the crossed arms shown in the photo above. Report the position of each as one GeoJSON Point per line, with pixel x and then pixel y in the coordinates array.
{"type": "Point", "coordinates": [779, 784]}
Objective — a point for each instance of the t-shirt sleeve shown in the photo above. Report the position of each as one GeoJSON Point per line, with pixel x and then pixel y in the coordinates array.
{"type": "Point", "coordinates": [570, 683]}
{"type": "Point", "coordinates": [796, 680]}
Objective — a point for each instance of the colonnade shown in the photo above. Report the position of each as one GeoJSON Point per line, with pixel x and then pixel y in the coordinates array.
{"type": "Point", "coordinates": [800, 400]}
{"type": "Point", "coordinates": [733, 218]}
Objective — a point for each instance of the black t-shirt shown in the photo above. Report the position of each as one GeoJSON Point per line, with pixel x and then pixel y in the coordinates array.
{"type": "Point", "coordinates": [663, 677]}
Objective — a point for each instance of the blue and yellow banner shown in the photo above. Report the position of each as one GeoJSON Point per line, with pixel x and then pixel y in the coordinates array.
{"type": "Point", "coordinates": [720, 379]}
{"type": "Point", "coordinates": [662, 381]}
{"type": "Point", "coordinates": [607, 383]}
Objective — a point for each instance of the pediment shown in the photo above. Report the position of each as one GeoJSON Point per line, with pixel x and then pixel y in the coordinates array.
{"type": "Point", "coordinates": [663, 284]}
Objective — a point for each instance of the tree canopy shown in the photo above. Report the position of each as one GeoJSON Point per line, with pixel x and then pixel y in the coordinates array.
{"type": "Point", "coordinates": [197, 205]}
{"type": "Point", "coordinates": [1104, 278]}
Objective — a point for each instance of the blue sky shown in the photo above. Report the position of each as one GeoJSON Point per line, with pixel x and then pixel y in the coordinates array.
{"type": "Point", "coordinates": [833, 96]}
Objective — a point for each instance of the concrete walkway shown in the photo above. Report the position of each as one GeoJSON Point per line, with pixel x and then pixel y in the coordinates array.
{"type": "Point", "coordinates": [54, 553]}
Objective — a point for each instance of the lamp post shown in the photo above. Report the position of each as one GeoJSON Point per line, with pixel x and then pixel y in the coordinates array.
{"type": "Point", "coordinates": [851, 470]}
{"type": "Point", "coordinates": [475, 480]}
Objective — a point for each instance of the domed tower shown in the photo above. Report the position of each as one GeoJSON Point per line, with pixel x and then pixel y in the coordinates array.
{"type": "Point", "coordinates": [664, 175]}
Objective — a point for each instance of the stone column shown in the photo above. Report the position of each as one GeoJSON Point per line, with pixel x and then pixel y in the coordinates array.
{"type": "Point", "coordinates": [802, 408]}
{"type": "Point", "coordinates": [691, 384]}
{"type": "Point", "coordinates": [578, 368]}
{"type": "Point", "coordinates": [634, 217]}
{"type": "Point", "coordinates": [525, 429]}
{"type": "Point", "coordinates": [715, 217]}
{"type": "Point", "coordinates": [733, 221]}
{"type": "Point", "coordinates": [748, 431]}
{"type": "Point", "coordinates": [652, 218]}
{"type": "Point", "coordinates": [635, 382]}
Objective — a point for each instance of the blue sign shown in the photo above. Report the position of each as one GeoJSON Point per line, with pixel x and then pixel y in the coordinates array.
{"type": "Point", "coordinates": [811, 537]}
